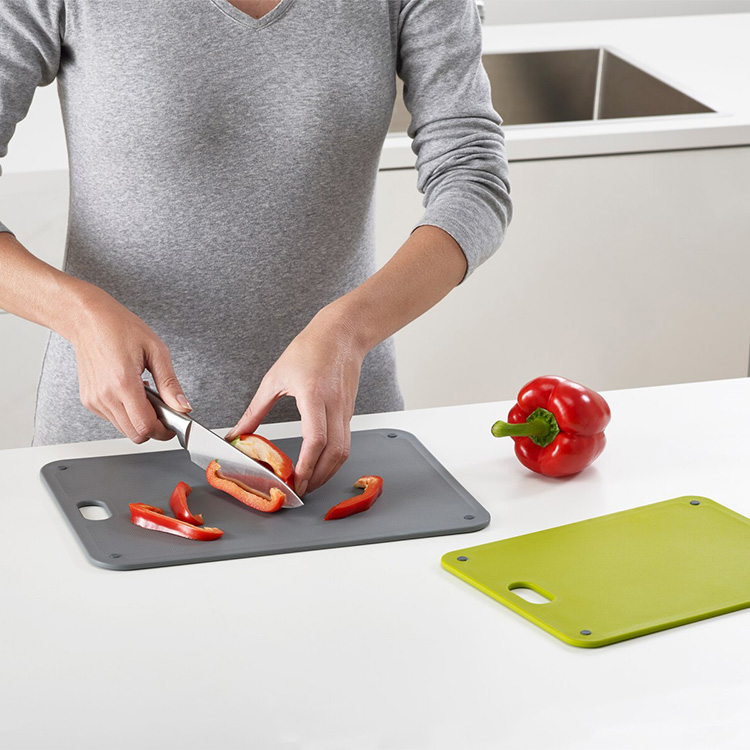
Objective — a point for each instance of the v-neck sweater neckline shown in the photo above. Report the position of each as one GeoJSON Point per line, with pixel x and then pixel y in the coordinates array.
{"type": "Point", "coordinates": [247, 20]}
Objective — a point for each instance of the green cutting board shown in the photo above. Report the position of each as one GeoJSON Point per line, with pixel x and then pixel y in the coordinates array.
{"type": "Point", "coordinates": [621, 575]}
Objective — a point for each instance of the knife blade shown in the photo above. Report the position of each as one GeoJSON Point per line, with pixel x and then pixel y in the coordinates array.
{"type": "Point", "coordinates": [204, 446]}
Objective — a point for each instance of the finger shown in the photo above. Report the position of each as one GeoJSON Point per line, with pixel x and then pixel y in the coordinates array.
{"type": "Point", "coordinates": [141, 417]}
{"type": "Point", "coordinates": [118, 415]}
{"type": "Point", "coordinates": [110, 410]}
{"type": "Point", "coordinates": [346, 427]}
{"type": "Point", "coordinates": [265, 397]}
{"type": "Point", "coordinates": [86, 395]}
{"type": "Point", "coordinates": [169, 434]}
{"type": "Point", "coordinates": [100, 409]}
{"type": "Point", "coordinates": [347, 449]}
{"type": "Point", "coordinates": [165, 379]}
{"type": "Point", "coordinates": [95, 409]}
{"type": "Point", "coordinates": [335, 452]}
{"type": "Point", "coordinates": [314, 438]}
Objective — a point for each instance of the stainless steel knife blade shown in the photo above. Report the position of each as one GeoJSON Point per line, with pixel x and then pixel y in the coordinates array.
{"type": "Point", "coordinates": [204, 446]}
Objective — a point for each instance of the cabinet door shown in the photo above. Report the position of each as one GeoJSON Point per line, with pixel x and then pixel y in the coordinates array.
{"type": "Point", "coordinates": [22, 350]}
{"type": "Point", "coordinates": [618, 271]}
{"type": "Point", "coordinates": [35, 206]}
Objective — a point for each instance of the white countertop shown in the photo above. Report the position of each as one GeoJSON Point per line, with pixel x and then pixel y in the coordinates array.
{"type": "Point", "coordinates": [374, 646]}
{"type": "Point", "coordinates": [706, 56]}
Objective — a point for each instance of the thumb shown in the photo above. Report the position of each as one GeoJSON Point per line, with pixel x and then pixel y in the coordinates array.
{"type": "Point", "coordinates": [165, 380]}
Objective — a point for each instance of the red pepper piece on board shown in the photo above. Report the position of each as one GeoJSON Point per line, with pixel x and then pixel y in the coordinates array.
{"type": "Point", "coordinates": [373, 487]}
{"type": "Point", "coordinates": [265, 452]}
{"type": "Point", "coordinates": [557, 425]}
{"type": "Point", "coordinates": [243, 493]}
{"type": "Point", "coordinates": [149, 517]}
{"type": "Point", "coordinates": [179, 506]}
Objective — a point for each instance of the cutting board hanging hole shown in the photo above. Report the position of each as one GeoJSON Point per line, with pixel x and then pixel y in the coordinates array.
{"type": "Point", "coordinates": [94, 511]}
{"type": "Point", "coordinates": [530, 593]}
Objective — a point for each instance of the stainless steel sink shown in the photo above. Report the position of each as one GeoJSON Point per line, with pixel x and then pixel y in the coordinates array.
{"type": "Point", "coordinates": [570, 86]}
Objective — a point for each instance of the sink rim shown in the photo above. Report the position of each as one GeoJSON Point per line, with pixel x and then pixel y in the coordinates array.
{"type": "Point", "coordinates": [716, 112]}
{"type": "Point", "coordinates": [617, 52]}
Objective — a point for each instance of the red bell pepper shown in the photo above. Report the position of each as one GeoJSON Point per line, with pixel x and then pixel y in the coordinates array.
{"type": "Point", "coordinates": [373, 487]}
{"type": "Point", "coordinates": [149, 517]}
{"type": "Point", "coordinates": [240, 491]}
{"type": "Point", "coordinates": [557, 425]}
{"type": "Point", "coordinates": [179, 506]}
{"type": "Point", "coordinates": [265, 452]}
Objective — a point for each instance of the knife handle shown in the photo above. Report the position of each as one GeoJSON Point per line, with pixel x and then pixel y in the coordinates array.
{"type": "Point", "coordinates": [172, 419]}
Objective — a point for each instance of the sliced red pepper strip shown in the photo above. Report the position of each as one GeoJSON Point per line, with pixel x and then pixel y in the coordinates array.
{"type": "Point", "coordinates": [558, 426]}
{"type": "Point", "coordinates": [373, 487]}
{"type": "Point", "coordinates": [243, 493]}
{"type": "Point", "coordinates": [148, 507]}
{"type": "Point", "coordinates": [265, 452]}
{"type": "Point", "coordinates": [179, 506]}
{"type": "Point", "coordinates": [149, 517]}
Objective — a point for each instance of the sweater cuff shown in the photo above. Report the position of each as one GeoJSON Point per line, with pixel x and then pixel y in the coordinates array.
{"type": "Point", "coordinates": [478, 226]}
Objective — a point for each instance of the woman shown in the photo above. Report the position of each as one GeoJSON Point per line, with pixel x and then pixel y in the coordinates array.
{"type": "Point", "coordinates": [223, 156]}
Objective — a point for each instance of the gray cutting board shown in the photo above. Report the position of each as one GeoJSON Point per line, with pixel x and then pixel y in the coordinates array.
{"type": "Point", "coordinates": [420, 498]}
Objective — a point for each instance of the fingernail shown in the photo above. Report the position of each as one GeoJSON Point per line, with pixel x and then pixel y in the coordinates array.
{"type": "Point", "coordinates": [302, 487]}
{"type": "Point", "coordinates": [183, 402]}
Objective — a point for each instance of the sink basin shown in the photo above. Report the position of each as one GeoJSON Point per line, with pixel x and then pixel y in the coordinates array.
{"type": "Point", "coordinates": [571, 86]}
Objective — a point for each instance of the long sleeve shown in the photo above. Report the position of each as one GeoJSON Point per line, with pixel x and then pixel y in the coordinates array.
{"type": "Point", "coordinates": [30, 42]}
{"type": "Point", "coordinates": [457, 135]}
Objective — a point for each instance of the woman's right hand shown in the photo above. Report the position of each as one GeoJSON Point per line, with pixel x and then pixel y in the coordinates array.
{"type": "Point", "coordinates": [113, 347]}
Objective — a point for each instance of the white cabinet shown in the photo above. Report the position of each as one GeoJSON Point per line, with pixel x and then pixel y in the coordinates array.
{"type": "Point", "coordinates": [618, 271]}
{"type": "Point", "coordinates": [35, 206]}
{"type": "Point", "coordinates": [22, 350]}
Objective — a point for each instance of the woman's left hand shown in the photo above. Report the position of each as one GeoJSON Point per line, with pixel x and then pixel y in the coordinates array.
{"type": "Point", "coordinates": [320, 369]}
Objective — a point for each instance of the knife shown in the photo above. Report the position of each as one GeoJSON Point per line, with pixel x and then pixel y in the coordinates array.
{"type": "Point", "coordinates": [204, 446]}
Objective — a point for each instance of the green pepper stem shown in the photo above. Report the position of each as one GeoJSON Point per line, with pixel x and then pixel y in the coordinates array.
{"type": "Point", "coordinates": [540, 427]}
{"type": "Point", "coordinates": [535, 428]}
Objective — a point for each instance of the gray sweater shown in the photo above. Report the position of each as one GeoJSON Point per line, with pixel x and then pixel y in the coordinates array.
{"type": "Point", "coordinates": [222, 170]}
